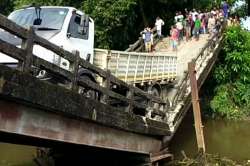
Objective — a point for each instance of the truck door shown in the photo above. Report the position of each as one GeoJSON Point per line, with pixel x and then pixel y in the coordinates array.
{"type": "Point", "coordinates": [79, 40]}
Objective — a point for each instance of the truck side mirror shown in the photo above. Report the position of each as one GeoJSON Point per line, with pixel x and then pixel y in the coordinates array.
{"type": "Point", "coordinates": [37, 21]}
{"type": "Point", "coordinates": [84, 25]}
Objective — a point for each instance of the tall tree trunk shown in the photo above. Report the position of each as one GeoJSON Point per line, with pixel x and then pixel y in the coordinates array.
{"type": "Point", "coordinates": [144, 18]}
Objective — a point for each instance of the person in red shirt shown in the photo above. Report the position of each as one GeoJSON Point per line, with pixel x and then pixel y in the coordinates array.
{"type": "Point", "coordinates": [174, 37]}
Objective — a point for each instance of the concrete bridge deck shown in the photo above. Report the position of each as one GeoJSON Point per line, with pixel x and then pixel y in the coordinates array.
{"type": "Point", "coordinates": [185, 53]}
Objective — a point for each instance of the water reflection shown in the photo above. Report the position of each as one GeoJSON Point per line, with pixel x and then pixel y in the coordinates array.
{"type": "Point", "coordinates": [226, 138]}
{"type": "Point", "coordinates": [16, 155]}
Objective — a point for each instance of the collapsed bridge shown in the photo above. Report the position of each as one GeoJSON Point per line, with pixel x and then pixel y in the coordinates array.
{"type": "Point", "coordinates": [125, 116]}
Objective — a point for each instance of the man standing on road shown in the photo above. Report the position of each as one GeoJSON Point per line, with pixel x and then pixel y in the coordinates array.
{"type": "Point", "coordinates": [174, 37]}
{"type": "Point", "coordinates": [197, 26]}
{"type": "Point", "coordinates": [159, 23]}
{"type": "Point", "coordinates": [148, 39]}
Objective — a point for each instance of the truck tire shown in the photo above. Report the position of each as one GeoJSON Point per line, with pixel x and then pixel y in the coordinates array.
{"type": "Point", "coordinates": [87, 92]}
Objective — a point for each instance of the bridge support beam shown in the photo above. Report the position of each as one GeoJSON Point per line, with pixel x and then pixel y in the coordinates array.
{"type": "Point", "coordinates": [18, 119]}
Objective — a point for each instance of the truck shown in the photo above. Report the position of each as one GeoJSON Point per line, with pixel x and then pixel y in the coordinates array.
{"type": "Point", "coordinates": [66, 27]}
{"type": "Point", "coordinates": [73, 30]}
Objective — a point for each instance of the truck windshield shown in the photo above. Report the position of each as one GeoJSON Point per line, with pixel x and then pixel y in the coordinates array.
{"type": "Point", "coordinates": [51, 18]}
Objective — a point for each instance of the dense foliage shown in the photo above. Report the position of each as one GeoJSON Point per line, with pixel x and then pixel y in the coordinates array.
{"type": "Point", "coordinates": [21, 3]}
{"type": "Point", "coordinates": [118, 22]}
{"type": "Point", "coordinates": [6, 6]}
{"type": "Point", "coordinates": [114, 21]}
{"type": "Point", "coordinates": [232, 76]}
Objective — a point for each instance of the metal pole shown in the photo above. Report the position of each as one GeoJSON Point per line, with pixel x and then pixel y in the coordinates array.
{"type": "Point", "coordinates": [196, 108]}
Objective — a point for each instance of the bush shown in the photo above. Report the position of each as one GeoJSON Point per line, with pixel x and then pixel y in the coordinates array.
{"type": "Point", "coordinates": [232, 74]}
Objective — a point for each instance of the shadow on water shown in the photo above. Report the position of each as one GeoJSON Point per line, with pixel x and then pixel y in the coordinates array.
{"type": "Point", "coordinates": [226, 138]}
{"type": "Point", "coordinates": [67, 155]}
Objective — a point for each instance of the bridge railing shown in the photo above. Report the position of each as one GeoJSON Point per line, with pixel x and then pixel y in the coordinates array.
{"type": "Point", "coordinates": [27, 61]}
{"type": "Point", "coordinates": [139, 45]}
{"type": "Point", "coordinates": [201, 61]}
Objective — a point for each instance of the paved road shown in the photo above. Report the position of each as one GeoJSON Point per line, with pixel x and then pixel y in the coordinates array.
{"type": "Point", "coordinates": [186, 51]}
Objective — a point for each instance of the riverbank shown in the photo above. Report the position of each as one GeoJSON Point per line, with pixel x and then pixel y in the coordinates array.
{"type": "Point", "coordinates": [210, 160]}
{"type": "Point", "coordinates": [222, 137]}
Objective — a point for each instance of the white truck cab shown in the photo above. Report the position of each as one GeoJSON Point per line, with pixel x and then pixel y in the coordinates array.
{"type": "Point", "coordinates": [66, 27]}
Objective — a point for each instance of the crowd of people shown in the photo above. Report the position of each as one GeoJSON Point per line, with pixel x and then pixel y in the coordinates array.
{"type": "Point", "coordinates": [147, 34]}
{"type": "Point", "coordinates": [189, 25]}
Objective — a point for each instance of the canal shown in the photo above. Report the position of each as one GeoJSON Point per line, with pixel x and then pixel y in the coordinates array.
{"type": "Point", "coordinates": [225, 138]}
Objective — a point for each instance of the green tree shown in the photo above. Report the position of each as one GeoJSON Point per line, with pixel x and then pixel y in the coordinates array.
{"type": "Point", "coordinates": [114, 21]}
{"type": "Point", "coordinates": [232, 74]}
{"type": "Point", "coordinates": [75, 3]}
{"type": "Point", "coordinates": [118, 22]}
{"type": "Point", "coordinates": [6, 6]}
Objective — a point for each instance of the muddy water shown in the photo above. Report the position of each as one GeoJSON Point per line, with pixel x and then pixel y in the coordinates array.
{"type": "Point", "coordinates": [16, 155]}
{"type": "Point", "coordinates": [226, 138]}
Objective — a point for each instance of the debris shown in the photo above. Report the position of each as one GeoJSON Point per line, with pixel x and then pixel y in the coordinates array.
{"type": "Point", "coordinates": [210, 160]}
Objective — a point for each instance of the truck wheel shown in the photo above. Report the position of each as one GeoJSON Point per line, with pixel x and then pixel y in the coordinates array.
{"type": "Point", "coordinates": [87, 92]}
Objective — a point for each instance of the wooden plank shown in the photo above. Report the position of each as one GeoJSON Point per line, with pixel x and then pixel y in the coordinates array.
{"type": "Point", "coordinates": [27, 45]}
{"type": "Point", "coordinates": [75, 72]}
{"type": "Point", "coordinates": [12, 51]}
{"type": "Point", "coordinates": [24, 88]}
{"type": "Point", "coordinates": [116, 81]}
{"type": "Point", "coordinates": [132, 47]}
{"type": "Point", "coordinates": [18, 54]}
{"type": "Point", "coordinates": [12, 27]}
{"type": "Point", "coordinates": [97, 87]}
{"type": "Point", "coordinates": [196, 108]}
{"type": "Point", "coordinates": [139, 44]}
{"type": "Point", "coordinates": [130, 96]}
{"type": "Point", "coordinates": [161, 157]}
{"type": "Point", "coordinates": [54, 48]}
{"type": "Point", "coordinates": [106, 85]}
{"type": "Point", "coordinates": [140, 48]}
{"type": "Point", "coordinates": [156, 99]}
{"type": "Point", "coordinates": [52, 68]}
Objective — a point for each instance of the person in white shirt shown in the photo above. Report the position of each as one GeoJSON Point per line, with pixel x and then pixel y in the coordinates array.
{"type": "Point", "coordinates": [180, 17]}
{"type": "Point", "coordinates": [213, 12]}
{"type": "Point", "coordinates": [179, 26]}
{"type": "Point", "coordinates": [159, 23]}
{"type": "Point", "coordinates": [194, 13]}
{"type": "Point", "coordinates": [176, 17]}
